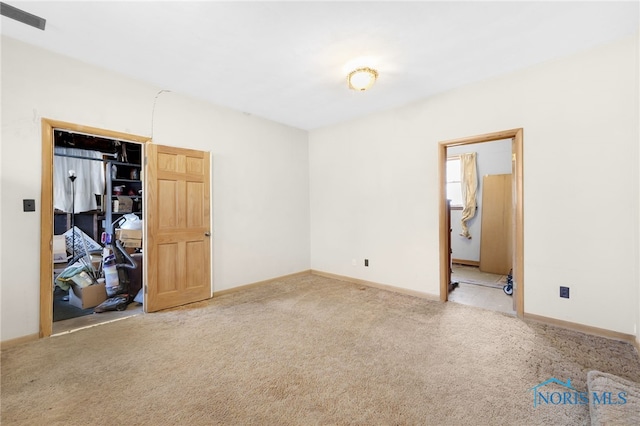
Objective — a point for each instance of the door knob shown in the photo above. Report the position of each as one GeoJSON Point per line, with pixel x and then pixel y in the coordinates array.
{"type": "Point", "coordinates": [207, 234]}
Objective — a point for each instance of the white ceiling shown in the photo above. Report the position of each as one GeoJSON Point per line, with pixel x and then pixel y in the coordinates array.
{"type": "Point", "coordinates": [288, 61]}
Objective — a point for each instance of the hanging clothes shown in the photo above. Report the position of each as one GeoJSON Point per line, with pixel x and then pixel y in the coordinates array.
{"type": "Point", "coordinates": [90, 180]}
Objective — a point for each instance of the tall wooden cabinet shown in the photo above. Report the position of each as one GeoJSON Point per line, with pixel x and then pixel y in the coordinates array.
{"type": "Point", "coordinates": [496, 245]}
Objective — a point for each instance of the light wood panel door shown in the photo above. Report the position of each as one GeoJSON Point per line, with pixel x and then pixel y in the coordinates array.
{"type": "Point", "coordinates": [178, 219]}
{"type": "Point", "coordinates": [496, 251]}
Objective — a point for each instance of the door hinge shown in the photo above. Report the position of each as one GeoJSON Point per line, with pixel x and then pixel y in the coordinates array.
{"type": "Point", "coordinates": [145, 289]}
{"type": "Point", "coordinates": [145, 160]}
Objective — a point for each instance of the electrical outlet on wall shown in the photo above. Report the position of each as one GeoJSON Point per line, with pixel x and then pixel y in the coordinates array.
{"type": "Point", "coordinates": [29, 205]}
{"type": "Point", "coordinates": [564, 292]}
{"type": "Point", "coordinates": [366, 262]}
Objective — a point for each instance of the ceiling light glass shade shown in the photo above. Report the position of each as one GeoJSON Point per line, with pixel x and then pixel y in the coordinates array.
{"type": "Point", "coordinates": [362, 78]}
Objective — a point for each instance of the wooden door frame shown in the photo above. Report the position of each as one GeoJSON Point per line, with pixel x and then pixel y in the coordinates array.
{"type": "Point", "coordinates": [46, 209]}
{"type": "Point", "coordinates": [516, 135]}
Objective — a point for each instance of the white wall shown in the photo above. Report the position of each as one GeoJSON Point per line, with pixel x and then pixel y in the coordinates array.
{"type": "Point", "coordinates": [493, 158]}
{"type": "Point", "coordinates": [260, 187]}
{"type": "Point", "coordinates": [374, 184]}
{"type": "Point", "coordinates": [260, 171]}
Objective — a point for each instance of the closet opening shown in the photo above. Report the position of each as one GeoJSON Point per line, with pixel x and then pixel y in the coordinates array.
{"type": "Point", "coordinates": [92, 225]}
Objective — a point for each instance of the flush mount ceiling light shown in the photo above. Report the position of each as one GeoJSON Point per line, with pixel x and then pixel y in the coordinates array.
{"type": "Point", "coordinates": [362, 79]}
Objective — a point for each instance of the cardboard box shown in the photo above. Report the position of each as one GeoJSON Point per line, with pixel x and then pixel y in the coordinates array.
{"type": "Point", "coordinates": [132, 244]}
{"type": "Point", "coordinates": [129, 234]}
{"type": "Point", "coordinates": [130, 238]}
{"type": "Point", "coordinates": [130, 250]}
{"type": "Point", "coordinates": [123, 205]}
{"type": "Point", "coordinates": [59, 249]}
{"type": "Point", "coordinates": [87, 297]}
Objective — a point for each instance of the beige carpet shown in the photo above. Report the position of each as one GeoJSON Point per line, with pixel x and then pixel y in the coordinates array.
{"type": "Point", "coordinates": [306, 351]}
{"type": "Point", "coordinates": [613, 400]}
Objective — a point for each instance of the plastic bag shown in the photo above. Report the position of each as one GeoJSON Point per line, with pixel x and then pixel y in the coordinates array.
{"type": "Point", "coordinates": [132, 222]}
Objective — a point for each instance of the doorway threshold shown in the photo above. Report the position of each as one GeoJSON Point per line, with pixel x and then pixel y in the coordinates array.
{"type": "Point", "coordinates": [94, 320]}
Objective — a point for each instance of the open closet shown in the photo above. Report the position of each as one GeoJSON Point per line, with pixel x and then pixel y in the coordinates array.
{"type": "Point", "coordinates": [97, 229]}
